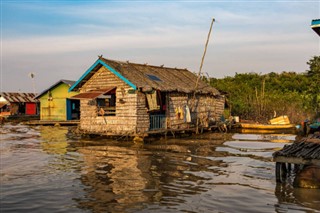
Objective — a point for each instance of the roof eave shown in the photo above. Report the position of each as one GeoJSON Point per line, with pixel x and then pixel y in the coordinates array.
{"type": "Point", "coordinates": [52, 87]}
{"type": "Point", "coordinates": [100, 62]}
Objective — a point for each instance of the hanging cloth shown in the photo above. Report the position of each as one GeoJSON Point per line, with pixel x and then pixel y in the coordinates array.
{"type": "Point", "coordinates": [187, 115]}
{"type": "Point", "coordinates": [179, 113]}
{"type": "Point", "coordinates": [152, 101]}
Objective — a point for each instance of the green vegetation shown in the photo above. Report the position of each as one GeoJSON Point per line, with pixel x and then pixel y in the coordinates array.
{"type": "Point", "coordinates": [260, 97]}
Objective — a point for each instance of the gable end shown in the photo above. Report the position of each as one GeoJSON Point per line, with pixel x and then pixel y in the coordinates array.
{"type": "Point", "coordinates": [93, 69]}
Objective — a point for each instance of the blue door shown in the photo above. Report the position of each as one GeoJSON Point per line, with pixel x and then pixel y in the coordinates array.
{"type": "Point", "coordinates": [73, 109]}
{"type": "Point", "coordinates": [69, 109]}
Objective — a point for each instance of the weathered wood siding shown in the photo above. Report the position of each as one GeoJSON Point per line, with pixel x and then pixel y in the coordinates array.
{"type": "Point", "coordinates": [125, 121]}
{"type": "Point", "coordinates": [143, 122]}
{"type": "Point", "coordinates": [131, 112]}
{"type": "Point", "coordinates": [176, 100]}
{"type": "Point", "coordinates": [206, 108]}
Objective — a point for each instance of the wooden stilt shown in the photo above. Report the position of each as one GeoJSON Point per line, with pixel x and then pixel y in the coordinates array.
{"type": "Point", "coordinates": [284, 170]}
{"type": "Point", "coordinates": [278, 172]}
{"type": "Point", "coordinates": [281, 172]}
{"type": "Point", "coordinates": [289, 167]}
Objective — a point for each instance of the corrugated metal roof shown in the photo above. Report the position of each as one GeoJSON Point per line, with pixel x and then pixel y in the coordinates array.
{"type": "Point", "coordinates": [307, 148]}
{"type": "Point", "coordinates": [18, 97]}
{"type": "Point", "coordinates": [68, 82]}
{"type": "Point", "coordinates": [92, 94]}
{"type": "Point", "coordinates": [2, 104]}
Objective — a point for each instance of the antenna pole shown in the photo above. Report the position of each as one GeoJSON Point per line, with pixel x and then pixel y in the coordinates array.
{"type": "Point", "coordinates": [204, 54]}
{"type": "Point", "coordinates": [199, 74]}
{"type": "Point", "coordinates": [34, 86]}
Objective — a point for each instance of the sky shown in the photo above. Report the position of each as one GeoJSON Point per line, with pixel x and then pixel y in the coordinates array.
{"type": "Point", "coordinates": [61, 39]}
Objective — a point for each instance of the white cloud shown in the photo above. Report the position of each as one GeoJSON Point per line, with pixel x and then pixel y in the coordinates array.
{"type": "Point", "coordinates": [245, 38]}
{"type": "Point", "coordinates": [63, 44]}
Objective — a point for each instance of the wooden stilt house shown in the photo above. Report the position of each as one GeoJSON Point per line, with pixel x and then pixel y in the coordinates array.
{"type": "Point", "coordinates": [303, 157]}
{"type": "Point", "coordinates": [124, 98]}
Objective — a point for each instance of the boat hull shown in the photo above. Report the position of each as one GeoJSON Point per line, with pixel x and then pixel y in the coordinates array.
{"type": "Point", "coordinates": [267, 126]}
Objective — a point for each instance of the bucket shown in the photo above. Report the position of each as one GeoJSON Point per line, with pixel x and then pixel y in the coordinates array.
{"type": "Point", "coordinates": [236, 119]}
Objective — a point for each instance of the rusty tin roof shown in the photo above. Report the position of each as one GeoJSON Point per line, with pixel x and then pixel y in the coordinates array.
{"type": "Point", "coordinates": [93, 94]}
{"type": "Point", "coordinates": [18, 97]}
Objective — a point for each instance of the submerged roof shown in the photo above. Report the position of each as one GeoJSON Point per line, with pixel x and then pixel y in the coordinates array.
{"type": "Point", "coordinates": [18, 97]}
{"type": "Point", "coordinates": [67, 82]}
{"type": "Point", "coordinates": [307, 148]}
{"type": "Point", "coordinates": [143, 75]}
{"type": "Point", "coordinates": [315, 25]}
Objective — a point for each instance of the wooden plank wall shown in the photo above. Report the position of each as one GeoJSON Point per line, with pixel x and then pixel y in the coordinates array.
{"type": "Point", "coordinates": [143, 122]}
{"type": "Point", "coordinates": [125, 121]}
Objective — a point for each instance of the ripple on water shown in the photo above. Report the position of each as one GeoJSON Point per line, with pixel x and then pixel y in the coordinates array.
{"type": "Point", "coordinates": [44, 170]}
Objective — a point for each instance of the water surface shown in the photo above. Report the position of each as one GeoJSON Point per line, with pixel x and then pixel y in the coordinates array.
{"type": "Point", "coordinates": [46, 169]}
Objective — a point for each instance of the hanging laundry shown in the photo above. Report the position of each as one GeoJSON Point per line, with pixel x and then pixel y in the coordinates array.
{"type": "Point", "coordinates": [187, 115]}
{"type": "Point", "coordinates": [179, 113]}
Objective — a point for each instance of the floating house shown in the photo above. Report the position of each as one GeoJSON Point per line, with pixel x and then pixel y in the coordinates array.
{"type": "Point", "coordinates": [315, 25]}
{"type": "Point", "coordinates": [55, 102]}
{"type": "Point", "coordinates": [13, 103]}
{"type": "Point", "coordinates": [129, 99]}
{"type": "Point", "coordinates": [303, 157]}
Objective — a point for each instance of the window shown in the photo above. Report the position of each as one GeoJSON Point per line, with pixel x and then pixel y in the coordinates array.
{"type": "Point", "coordinates": [153, 77]}
{"type": "Point", "coordinates": [106, 105]}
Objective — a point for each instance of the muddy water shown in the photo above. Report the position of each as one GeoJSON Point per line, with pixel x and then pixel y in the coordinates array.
{"type": "Point", "coordinates": [45, 169]}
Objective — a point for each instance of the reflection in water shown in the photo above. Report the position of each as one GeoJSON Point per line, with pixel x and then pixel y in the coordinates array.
{"type": "Point", "coordinates": [53, 139]}
{"type": "Point", "coordinates": [43, 169]}
{"type": "Point", "coordinates": [303, 199]}
{"type": "Point", "coordinates": [118, 178]}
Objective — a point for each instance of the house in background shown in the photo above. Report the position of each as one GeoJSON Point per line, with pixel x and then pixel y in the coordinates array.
{"type": "Point", "coordinates": [13, 103]}
{"type": "Point", "coordinates": [315, 25]}
{"type": "Point", "coordinates": [123, 98]}
{"type": "Point", "coordinates": [55, 102]}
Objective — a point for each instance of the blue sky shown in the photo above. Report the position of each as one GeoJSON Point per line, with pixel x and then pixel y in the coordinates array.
{"type": "Point", "coordinates": [62, 39]}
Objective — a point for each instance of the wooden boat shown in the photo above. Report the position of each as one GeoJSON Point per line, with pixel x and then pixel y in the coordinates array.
{"type": "Point", "coordinates": [279, 123]}
{"type": "Point", "coordinates": [267, 126]}
{"type": "Point", "coordinates": [266, 131]}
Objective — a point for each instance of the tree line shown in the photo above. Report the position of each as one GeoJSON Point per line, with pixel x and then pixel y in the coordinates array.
{"type": "Point", "coordinates": [259, 97]}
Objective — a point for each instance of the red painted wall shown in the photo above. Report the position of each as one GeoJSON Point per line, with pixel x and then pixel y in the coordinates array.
{"type": "Point", "coordinates": [31, 109]}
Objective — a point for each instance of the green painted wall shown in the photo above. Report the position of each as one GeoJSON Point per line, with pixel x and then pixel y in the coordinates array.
{"type": "Point", "coordinates": [56, 109]}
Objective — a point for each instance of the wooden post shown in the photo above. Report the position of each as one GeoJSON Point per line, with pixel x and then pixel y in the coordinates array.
{"type": "Point", "coordinates": [199, 74]}
{"type": "Point", "coordinates": [278, 172]}
{"type": "Point", "coordinates": [289, 167]}
{"type": "Point", "coordinates": [281, 172]}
